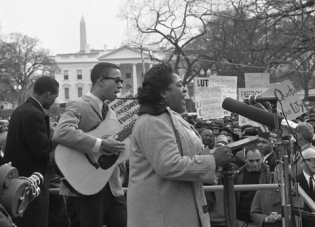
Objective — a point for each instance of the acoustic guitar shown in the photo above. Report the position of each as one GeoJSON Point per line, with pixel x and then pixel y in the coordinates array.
{"type": "Point", "coordinates": [89, 173]}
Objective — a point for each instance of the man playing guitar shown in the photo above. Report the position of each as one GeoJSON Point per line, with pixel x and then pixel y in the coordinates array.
{"type": "Point", "coordinates": [108, 206]}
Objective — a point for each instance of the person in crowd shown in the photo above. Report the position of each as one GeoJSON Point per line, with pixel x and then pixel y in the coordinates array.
{"type": "Point", "coordinates": [29, 144]}
{"type": "Point", "coordinates": [108, 206]}
{"type": "Point", "coordinates": [311, 120]}
{"type": "Point", "coordinates": [266, 207]}
{"type": "Point", "coordinates": [224, 131]}
{"type": "Point", "coordinates": [305, 133]}
{"type": "Point", "coordinates": [221, 140]}
{"type": "Point", "coordinates": [207, 138]}
{"type": "Point", "coordinates": [166, 168]}
{"type": "Point", "coordinates": [306, 180]}
{"type": "Point", "coordinates": [230, 138]}
{"type": "Point", "coordinates": [253, 172]}
{"type": "Point", "coordinates": [237, 130]}
{"type": "Point", "coordinates": [199, 126]}
{"type": "Point", "coordinates": [217, 124]}
{"type": "Point", "coordinates": [3, 139]}
{"type": "Point", "coordinates": [265, 145]}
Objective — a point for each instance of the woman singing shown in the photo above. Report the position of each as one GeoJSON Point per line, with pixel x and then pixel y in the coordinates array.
{"type": "Point", "coordinates": [166, 168]}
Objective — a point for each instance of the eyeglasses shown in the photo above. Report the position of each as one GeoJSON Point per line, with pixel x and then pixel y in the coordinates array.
{"type": "Point", "coordinates": [117, 79]}
{"type": "Point", "coordinates": [311, 160]}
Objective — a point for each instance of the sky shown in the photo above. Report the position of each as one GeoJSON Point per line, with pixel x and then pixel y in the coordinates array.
{"type": "Point", "coordinates": [56, 23]}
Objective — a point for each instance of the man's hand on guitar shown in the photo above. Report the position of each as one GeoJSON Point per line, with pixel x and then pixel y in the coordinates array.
{"type": "Point", "coordinates": [111, 146]}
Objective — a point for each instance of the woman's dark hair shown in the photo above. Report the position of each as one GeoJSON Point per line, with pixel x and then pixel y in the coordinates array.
{"type": "Point", "coordinates": [156, 81]}
{"type": "Point", "coordinates": [45, 84]}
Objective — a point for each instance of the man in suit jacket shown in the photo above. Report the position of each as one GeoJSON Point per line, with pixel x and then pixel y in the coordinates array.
{"type": "Point", "coordinates": [305, 133]}
{"type": "Point", "coordinates": [269, 156]}
{"type": "Point", "coordinates": [306, 179]}
{"type": "Point", "coordinates": [207, 137]}
{"type": "Point", "coordinates": [29, 143]}
{"type": "Point", "coordinates": [81, 116]}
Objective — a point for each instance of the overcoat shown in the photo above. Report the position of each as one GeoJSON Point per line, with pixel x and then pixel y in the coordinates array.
{"type": "Point", "coordinates": [165, 187]}
{"type": "Point", "coordinates": [265, 202]}
{"type": "Point", "coordinates": [28, 148]}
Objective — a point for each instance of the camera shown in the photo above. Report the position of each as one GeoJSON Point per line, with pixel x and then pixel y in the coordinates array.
{"type": "Point", "coordinates": [17, 192]}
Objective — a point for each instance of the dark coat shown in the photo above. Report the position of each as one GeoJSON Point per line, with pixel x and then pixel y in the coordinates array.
{"type": "Point", "coordinates": [263, 179]}
{"type": "Point", "coordinates": [265, 202]}
{"type": "Point", "coordinates": [28, 148]}
{"type": "Point", "coordinates": [271, 161]}
{"type": "Point", "coordinates": [28, 143]}
{"type": "Point", "coordinates": [304, 185]}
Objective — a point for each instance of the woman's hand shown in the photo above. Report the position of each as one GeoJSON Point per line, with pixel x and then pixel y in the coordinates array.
{"type": "Point", "coordinates": [222, 156]}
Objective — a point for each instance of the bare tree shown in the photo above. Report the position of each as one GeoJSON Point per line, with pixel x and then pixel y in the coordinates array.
{"type": "Point", "coordinates": [289, 41]}
{"type": "Point", "coordinates": [22, 62]}
{"type": "Point", "coordinates": [171, 24]}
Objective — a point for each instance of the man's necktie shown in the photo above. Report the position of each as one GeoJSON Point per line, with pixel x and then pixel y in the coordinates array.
{"type": "Point", "coordinates": [104, 110]}
{"type": "Point", "coordinates": [311, 185]}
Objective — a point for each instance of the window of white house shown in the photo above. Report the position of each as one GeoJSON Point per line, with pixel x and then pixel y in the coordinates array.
{"type": "Point", "coordinates": [80, 91]}
{"type": "Point", "coordinates": [65, 75]}
{"type": "Point", "coordinates": [67, 95]}
{"type": "Point", "coordinates": [79, 74]}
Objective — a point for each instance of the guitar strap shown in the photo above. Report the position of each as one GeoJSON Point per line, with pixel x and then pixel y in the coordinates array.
{"type": "Point", "coordinates": [63, 180]}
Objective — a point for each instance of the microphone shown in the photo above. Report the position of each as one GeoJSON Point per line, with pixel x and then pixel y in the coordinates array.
{"type": "Point", "coordinates": [253, 99]}
{"type": "Point", "coordinates": [255, 114]}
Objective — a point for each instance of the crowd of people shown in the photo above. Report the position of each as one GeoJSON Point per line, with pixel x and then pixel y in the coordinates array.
{"type": "Point", "coordinates": [171, 157]}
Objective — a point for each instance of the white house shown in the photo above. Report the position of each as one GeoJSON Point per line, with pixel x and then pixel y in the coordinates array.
{"type": "Point", "coordinates": [74, 77]}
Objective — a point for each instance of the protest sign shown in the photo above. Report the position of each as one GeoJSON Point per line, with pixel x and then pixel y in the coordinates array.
{"type": "Point", "coordinates": [208, 99]}
{"type": "Point", "coordinates": [244, 93]}
{"type": "Point", "coordinates": [257, 80]}
{"type": "Point", "coordinates": [126, 109]}
{"type": "Point", "coordinates": [228, 85]}
{"type": "Point", "coordinates": [274, 84]}
{"type": "Point", "coordinates": [289, 98]}
{"type": "Point", "coordinates": [211, 107]}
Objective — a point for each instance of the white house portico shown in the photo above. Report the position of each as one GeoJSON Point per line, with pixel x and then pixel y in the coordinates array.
{"type": "Point", "coordinates": [74, 77]}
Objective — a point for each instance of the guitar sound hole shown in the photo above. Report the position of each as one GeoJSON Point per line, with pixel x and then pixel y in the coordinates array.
{"type": "Point", "coordinates": [106, 161]}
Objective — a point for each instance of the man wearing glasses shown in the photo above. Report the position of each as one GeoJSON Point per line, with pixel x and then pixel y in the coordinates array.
{"type": "Point", "coordinates": [305, 133]}
{"type": "Point", "coordinates": [306, 179]}
{"type": "Point", "coordinates": [107, 207]}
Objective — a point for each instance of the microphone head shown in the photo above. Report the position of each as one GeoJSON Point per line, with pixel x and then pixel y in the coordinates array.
{"type": "Point", "coordinates": [252, 100]}
{"type": "Point", "coordinates": [246, 101]}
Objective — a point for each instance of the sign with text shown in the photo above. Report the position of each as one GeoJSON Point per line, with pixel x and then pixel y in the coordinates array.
{"type": "Point", "coordinates": [289, 98]}
{"type": "Point", "coordinates": [126, 109]}
{"type": "Point", "coordinates": [228, 85]}
{"type": "Point", "coordinates": [259, 80]}
{"type": "Point", "coordinates": [208, 99]}
{"type": "Point", "coordinates": [211, 107]}
{"type": "Point", "coordinates": [244, 93]}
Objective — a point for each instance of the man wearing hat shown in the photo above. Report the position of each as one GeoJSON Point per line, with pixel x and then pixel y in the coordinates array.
{"type": "Point", "coordinates": [216, 125]}
{"type": "Point", "coordinates": [269, 156]}
{"type": "Point", "coordinates": [306, 179]}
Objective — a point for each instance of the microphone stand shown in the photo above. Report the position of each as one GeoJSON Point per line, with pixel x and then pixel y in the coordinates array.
{"type": "Point", "coordinates": [285, 188]}
{"type": "Point", "coordinates": [229, 195]}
